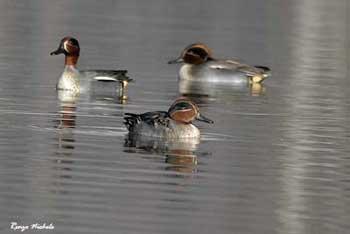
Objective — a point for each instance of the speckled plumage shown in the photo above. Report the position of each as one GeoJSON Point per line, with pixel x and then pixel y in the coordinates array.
{"type": "Point", "coordinates": [161, 123]}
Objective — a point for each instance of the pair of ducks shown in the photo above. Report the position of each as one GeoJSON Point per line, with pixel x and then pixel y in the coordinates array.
{"type": "Point", "coordinates": [199, 65]}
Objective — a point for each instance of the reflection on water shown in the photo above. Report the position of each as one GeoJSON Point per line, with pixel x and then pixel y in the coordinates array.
{"type": "Point", "coordinates": [199, 88]}
{"type": "Point", "coordinates": [62, 158]}
{"type": "Point", "coordinates": [276, 160]}
{"type": "Point", "coordinates": [315, 132]}
{"type": "Point", "coordinates": [101, 91]}
{"type": "Point", "coordinates": [178, 153]}
{"type": "Point", "coordinates": [66, 96]}
{"type": "Point", "coordinates": [65, 126]}
{"type": "Point", "coordinates": [67, 116]}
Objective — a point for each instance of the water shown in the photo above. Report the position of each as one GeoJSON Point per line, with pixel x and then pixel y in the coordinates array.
{"type": "Point", "coordinates": [275, 161]}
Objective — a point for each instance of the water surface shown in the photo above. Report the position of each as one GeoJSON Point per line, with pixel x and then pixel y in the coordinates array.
{"type": "Point", "coordinates": [275, 161]}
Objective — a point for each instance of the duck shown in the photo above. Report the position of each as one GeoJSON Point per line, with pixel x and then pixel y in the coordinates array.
{"type": "Point", "coordinates": [200, 65]}
{"type": "Point", "coordinates": [176, 123]}
{"type": "Point", "coordinates": [79, 81]}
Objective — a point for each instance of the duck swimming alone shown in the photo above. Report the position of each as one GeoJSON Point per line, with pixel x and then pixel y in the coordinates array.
{"type": "Point", "coordinates": [174, 123]}
{"type": "Point", "coordinates": [77, 81]}
{"type": "Point", "coordinates": [199, 65]}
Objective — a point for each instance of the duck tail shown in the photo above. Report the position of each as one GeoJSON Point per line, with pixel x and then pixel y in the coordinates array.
{"type": "Point", "coordinates": [266, 71]}
{"type": "Point", "coordinates": [131, 120]}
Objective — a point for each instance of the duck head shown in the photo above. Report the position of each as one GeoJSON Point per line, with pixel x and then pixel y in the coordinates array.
{"type": "Point", "coordinates": [185, 111]}
{"type": "Point", "coordinates": [68, 46]}
{"type": "Point", "coordinates": [196, 54]}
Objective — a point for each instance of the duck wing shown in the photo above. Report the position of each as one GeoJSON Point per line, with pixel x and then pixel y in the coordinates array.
{"type": "Point", "coordinates": [153, 119]}
{"type": "Point", "coordinates": [235, 65]}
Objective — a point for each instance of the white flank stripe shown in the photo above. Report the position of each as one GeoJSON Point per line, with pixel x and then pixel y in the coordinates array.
{"type": "Point", "coordinates": [104, 78]}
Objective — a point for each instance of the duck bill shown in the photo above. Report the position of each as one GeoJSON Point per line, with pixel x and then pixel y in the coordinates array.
{"type": "Point", "coordinates": [177, 60]}
{"type": "Point", "coordinates": [58, 51]}
{"type": "Point", "coordinates": [202, 118]}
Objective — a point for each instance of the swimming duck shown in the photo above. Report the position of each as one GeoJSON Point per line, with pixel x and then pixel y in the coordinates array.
{"type": "Point", "coordinates": [77, 81]}
{"type": "Point", "coordinates": [174, 123]}
{"type": "Point", "coordinates": [200, 65]}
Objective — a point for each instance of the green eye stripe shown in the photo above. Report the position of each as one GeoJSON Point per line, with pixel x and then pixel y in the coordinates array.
{"type": "Point", "coordinates": [182, 106]}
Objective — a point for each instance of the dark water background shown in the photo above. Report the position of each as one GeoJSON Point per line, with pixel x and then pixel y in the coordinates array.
{"type": "Point", "coordinates": [277, 159]}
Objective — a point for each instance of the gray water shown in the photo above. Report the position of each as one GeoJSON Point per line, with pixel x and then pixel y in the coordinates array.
{"type": "Point", "coordinates": [276, 160]}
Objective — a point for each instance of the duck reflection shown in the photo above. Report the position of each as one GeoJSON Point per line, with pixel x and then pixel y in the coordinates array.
{"type": "Point", "coordinates": [96, 94]}
{"type": "Point", "coordinates": [181, 161]}
{"type": "Point", "coordinates": [179, 153]}
{"type": "Point", "coordinates": [101, 92]}
{"type": "Point", "coordinates": [209, 89]}
{"type": "Point", "coordinates": [65, 123]}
